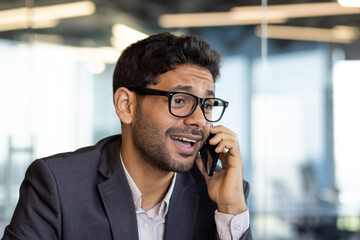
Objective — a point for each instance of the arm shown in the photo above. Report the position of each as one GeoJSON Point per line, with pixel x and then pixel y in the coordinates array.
{"type": "Point", "coordinates": [226, 187]}
{"type": "Point", "coordinates": [234, 227]}
{"type": "Point", "coordinates": [37, 214]}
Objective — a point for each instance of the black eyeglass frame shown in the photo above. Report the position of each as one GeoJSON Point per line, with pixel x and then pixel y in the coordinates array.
{"type": "Point", "coordinates": [201, 101]}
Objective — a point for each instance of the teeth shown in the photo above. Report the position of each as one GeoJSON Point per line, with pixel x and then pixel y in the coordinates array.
{"type": "Point", "coordinates": [184, 139]}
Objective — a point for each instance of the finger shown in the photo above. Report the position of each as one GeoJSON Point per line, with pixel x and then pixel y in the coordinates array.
{"type": "Point", "coordinates": [217, 129]}
{"type": "Point", "coordinates": [222, 159]}
{"type": "Point", "coordinates": [223, 135]}
{"type": "Point", "coordinates": [224, 141]}
{"type": "Point", "coordinates": [221, 147]}
{"type": "Point", "coordinates": [221, 129]}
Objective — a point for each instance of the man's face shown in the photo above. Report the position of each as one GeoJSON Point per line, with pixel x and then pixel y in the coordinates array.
{"type": "Point", "coordinates": [167, 142]}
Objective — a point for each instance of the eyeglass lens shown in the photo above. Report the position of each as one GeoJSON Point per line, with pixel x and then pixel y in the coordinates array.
{"type": "Point", "coordinates": [183, 104]}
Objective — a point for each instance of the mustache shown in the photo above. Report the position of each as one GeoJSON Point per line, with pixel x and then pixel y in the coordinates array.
{"type": "Point", "coordinates": [192, 131]}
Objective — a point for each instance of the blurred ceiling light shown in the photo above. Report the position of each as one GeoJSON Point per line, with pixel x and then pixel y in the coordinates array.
{"type": "Point", "coordinates": [24, 25]}
{"type": "Point", "coordinates": [346, 32]}
{"type": "Point", "coordinates": [117, 43]}
{"type": "Point", "coordinates": [349, 3]}
{"type": "Point", "coordinates": [302, 10]}
{"type": "Point", "coordinates": [21, 18]}
{"type": "Point", "coordinates": [338, 34]}
{"type": "Point", "coordinates": [214, 19]}
{"type": "Point", "coordinates": [254, 15]}
{"type": "Point", "coordinates": [48, 38]}
{"type": "Point", "coordinates": [123, 36]}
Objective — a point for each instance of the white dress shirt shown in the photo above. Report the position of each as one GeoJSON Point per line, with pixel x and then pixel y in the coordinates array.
{"type": "Point", "coordinates": [151, 224]}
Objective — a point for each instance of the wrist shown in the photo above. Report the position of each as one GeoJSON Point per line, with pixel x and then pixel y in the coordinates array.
{"type": "Point", "coordinates": [232, 209]}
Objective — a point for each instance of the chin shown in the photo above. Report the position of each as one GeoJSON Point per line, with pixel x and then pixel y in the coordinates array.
{"type": "Point", "coordinates": [183, 165]}
{"type": "Point", "coordinates": [183, 169]}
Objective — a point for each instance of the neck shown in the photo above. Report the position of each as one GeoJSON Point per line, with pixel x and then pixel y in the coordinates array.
{"type": "Point", "coordinates": [153, 183]}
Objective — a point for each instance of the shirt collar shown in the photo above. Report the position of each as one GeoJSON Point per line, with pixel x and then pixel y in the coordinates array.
{"type": "Point", "coordinates": [159, 210]}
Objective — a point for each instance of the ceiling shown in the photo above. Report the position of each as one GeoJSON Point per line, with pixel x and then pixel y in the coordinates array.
{"type": "Point", "coordinates": [143, 15]}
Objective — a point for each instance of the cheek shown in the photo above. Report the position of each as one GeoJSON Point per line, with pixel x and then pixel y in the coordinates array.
{"type": "Point", "coordinates": [207, 129]}
{"type": "Point", "coordinates": [155, 108]}
{"type": "Point", "coordinates": [157, 112]}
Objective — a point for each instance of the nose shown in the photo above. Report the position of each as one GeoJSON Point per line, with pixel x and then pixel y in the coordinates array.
{"type": "Point", "coordinates": [196, 119]}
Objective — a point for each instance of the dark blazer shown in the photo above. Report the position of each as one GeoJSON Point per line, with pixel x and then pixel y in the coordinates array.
{"type": "Point", "coordinates": [85, 195]}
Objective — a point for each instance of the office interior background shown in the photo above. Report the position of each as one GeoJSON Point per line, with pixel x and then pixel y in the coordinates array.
{"type": "Point", "coordinates": [290, 72]}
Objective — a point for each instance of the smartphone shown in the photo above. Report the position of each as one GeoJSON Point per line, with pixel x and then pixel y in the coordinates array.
{"type": "Point", "coordinates": [209, 156]}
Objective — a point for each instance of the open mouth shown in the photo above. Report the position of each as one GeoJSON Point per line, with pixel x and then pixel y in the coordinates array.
{"type": "Point", "coordinates": [186, 144]}
{"type": "Point", "coordinates": [184, 140]}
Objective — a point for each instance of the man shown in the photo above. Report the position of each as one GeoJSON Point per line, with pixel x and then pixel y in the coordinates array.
{"type": "Point", "coordinates": [144, 184]}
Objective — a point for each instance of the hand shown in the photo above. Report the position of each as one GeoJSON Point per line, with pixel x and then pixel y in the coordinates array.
{"type": "Point", "coordinates": [225, 187]}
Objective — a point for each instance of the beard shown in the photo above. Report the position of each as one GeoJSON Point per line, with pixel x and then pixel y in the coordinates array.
{"type": "Point", "coordinates": [150, 142]}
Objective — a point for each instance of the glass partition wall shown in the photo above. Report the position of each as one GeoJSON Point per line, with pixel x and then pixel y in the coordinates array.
{"type": "Point", "coordinates": [55, 85]}
{"type": "Point", "coordinates": [304, 124]}
{"type": "Point", "coordinates": [290, 72]}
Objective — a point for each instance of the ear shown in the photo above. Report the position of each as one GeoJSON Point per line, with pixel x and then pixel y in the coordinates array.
{"type": "Point", "coordinates": [125, 104]}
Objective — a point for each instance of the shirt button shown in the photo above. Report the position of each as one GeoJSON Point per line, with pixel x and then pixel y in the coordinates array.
{"type": "Point", "coordinates": [145, 224]}
{"type": "Point", "coordinates": [237, 228]}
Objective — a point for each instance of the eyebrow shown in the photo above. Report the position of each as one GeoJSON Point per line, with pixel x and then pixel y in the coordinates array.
{"type": "Point", "coordinates": [190, 89]}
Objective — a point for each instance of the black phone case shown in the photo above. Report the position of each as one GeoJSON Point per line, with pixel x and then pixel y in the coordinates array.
{"type": "Point", "coordinates": [207, 148]}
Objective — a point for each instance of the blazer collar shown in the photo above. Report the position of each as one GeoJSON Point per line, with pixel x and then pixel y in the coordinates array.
{"type": "Point", "coordinates": [181, 217]}
{"type": "Point", "coordinates": [116, 194]}
{"type": "Point", "coordinates": [119, 206]}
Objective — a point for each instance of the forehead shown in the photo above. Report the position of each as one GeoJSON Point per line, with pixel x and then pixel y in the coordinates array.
{"type": "Point", "coordinates": [189, 77]}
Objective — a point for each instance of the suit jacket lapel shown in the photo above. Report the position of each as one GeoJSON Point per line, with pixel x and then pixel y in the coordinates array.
{"type": "Point", "coordinates": [116, 195]}
{"type": "Point", "coordinates": [181, 217]}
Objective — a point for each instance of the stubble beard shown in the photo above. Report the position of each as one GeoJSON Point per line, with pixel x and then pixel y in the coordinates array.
{"type": "Point", "coordinates": [150, 142]}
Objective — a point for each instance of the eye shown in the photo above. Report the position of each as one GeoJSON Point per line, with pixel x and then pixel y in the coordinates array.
{"type": "Point", "coordinates": [208, 106]}
{"type": "Point", "coordinates": [178, 101]}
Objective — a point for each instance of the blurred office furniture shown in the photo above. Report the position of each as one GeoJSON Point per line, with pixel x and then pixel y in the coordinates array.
{"type": "Point", "coordinates": [318, 216]}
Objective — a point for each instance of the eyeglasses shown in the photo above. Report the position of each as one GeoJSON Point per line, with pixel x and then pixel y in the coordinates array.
{"type": "Point", "coordinates": [182, 104]}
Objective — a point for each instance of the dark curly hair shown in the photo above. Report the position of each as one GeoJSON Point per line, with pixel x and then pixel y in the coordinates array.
{"type": "Point", "coordinates": [140, 64]}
